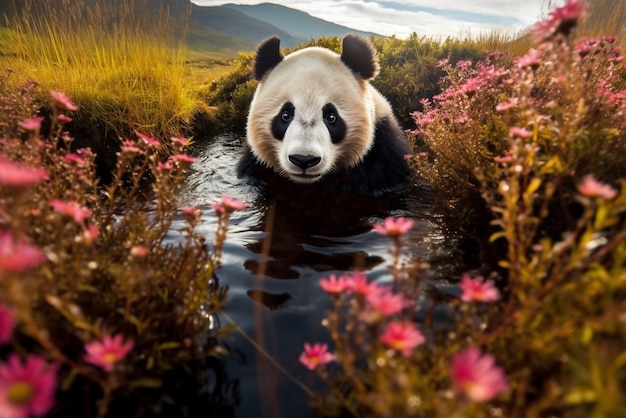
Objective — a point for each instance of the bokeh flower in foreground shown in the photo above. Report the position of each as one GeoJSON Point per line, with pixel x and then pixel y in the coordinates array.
{"type": "Point", "coordinates": [561, 20]}
{"type": "Point", "coordinates": [334, 284]}
{"type": "Point", "coordinates": [315, 355]}
{"type": "Point", "coordinates": [108, 352]}
{"type": "Point", "coordinates": [477, 376]}
{"type": "Point", "coordinates": [590, 187]}
{"type": "Point", "coordinates": [403, 337]}
{"type": "Point", "coordinates": [26, 389]}
{"type": "Point", "coordinates": [73, 209]}
{"type": "Point", "coordinates": [386, 302]}
{"type": "Point", "coordinates": [17, 255]}
{"type": "Point", "coordinates": [232, 204]}
{"type": "Point", "coordinates": [478, 289]}
{"type": "Point", "coordinates": [394, 227]}
{"type": "Point", "coordinates": [20, 175]}
{"type": "Point", "coordinates": [6, 324]}
{"type": "Point", "coordinates": [62, 101]}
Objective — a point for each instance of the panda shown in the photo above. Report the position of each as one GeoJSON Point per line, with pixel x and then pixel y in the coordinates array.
{"type": "Point", "coordinates": [316, 124]}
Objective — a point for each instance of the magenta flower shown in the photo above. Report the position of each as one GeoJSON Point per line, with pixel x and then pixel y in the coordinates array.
{"type": "Point", "coordinates": [394, 227]}
{"type": "Point", "coordinates": [6, 324]}
{"type": "Point", "coordinates": [334, 285]}
{"type": "Point", "coordinates": [130, 147]}
{"type": "Point", "coordinates": [148, 139]}
{"type": "Point", "coordinates": [73, 209]}
{"type": "Point", "coordinates": [218, 207]}
{"type": "Point", "coordinates": [477, 376]}
{"type": "Point", "coordinates": [532, 59]}
{"type": "Point", "coordinates": [386, 302]}
{"type": "Point", "coordinates": [20, 175]}
{"type": "Point", "coordinates": [17, 255]}
{"type": "Point", "coordinates": [403, 337]}
{"type": "Point", "coordinates": [183, 158]}
{"type": "Point", "coordinates": [478, 289]}
{"type": "Point", "coordinates": [316, 355]}
{"type": "Point", "coordinates": [590, 187]}
{"type": "Point", "coordinates": [232, 204]}
{"type": "Point", "coordinates": [106, 353]}
{"type": "Point", "coordinates": [26, 389]}
{"type": "Point", "coordinates": [61, 101]}
{"type": "Point", "coordinates": [561, 20]}
{"type": "Point", "coordinates": [358, 284]}
{"type": "Point", "coordinates": [31, 124]}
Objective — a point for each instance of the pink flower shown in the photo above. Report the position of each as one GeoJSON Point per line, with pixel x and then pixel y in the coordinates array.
{"type": "Point", "coordinates": [503, 158]}
{"type": "Point", "coordinates": [108, 352]}
{"type": "Point", "coordinates": [190, 211]}
{"type": "Point", "coordinates": [62, 101]}
{"type": "Point", "coordinates": [478, 289]}
{"type": "Point", "coordinates": [130, 147]}
{"type": "Point", "coordinates": [72, 209]}
{"type": "Point", "coordinates": [166, 166]}
{"type": "Point", "coordinates": [148, 139]}
{"type": "Point", "coordinates": [218, 207]}
{"type": "Point", "coordinates": [477, 376]}
{"type": "Point", "coordinates": [532, 59]}
{"type": "Point", "coordinates": [402, 337]}
{"type": "Point", "coordinates": [74, 158]}
{"type": "Point", "coordinates": [315, 355]}
{"type": "Point", "coordinates": [561, 20]}
{"type": "Point", "coordinates": [139, 251]}
{"type": "Point", "coordinates": [590, 187]}
{"type": "Point", "coordinates": [358, 284]}
{"type": "Point", "coordinates": [20, 175]}
{"type": "Point", "coordinates": [6, 324]}
{"type": "Point", "coordinates": [64, 118]}
{"type": "Point", "coordinates": [232, 204]}
{"type": "Point", "coordinates": [31, 124]}
{"type": "Point", "coordinates": [394, 227]}
{"type": "Point", "coordinates": [179, 141]}
{"type": "Point", "coordinates": [17, 255]}
{"type": "Point", "coordinates": [504, 106]}
{"type": "Point", "coordinates": [26, 389]}
{"type": "Point", "coordinates": [520, 132]}
{"type": "Point", "coordinates": [334, 285]}
{"type": "Point", "coordinates": [386, 302]}
{"type": "Point", "coordinates": [184, 158]}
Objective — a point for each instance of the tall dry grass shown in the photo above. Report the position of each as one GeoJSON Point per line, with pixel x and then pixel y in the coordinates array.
{"type": "Point", "coordinates": [123, 62]}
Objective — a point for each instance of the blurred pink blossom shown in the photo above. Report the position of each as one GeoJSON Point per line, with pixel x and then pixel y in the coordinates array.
{"type": "Point", "coordinates": [403, 337]}
{"type": "Point", "coordinates": [20, 175]}
{"type": "Point", "coordinates": [106, 353]}
{"type": "Point", "coordinates": [31, 124]}
{"type": "Point", "coordinates": [72, 209]}
{"type": "Point", "coordinates": [478, 289]}
{"type": "Point", "coordinates": [62, 101]}
{"type": "Point", "coordinates": [232, 204]}
{"type": "Point", "coordinates": [17, 255]}
{"type": "Point", "coordinates": [590, 187]}
{"type": "Point", "coordinates": [315, 355]}
{"type": "Point", "coordinates": [385, 302]}
{"type": "Point", "coordinates": [358, 284]}
{"type": "Point", "coordinates": [183, 158]}
{"type": "Point", "coordinates": [26, 388]}
{"type": "Point", "coordinates": [148, 139]}
{"type": "Point", "coordinates": [394, 227]}
{"type": "Point", "coordinates": [477, 376]}
{"type": "Point", "coordinates": [561, 20]}
{"type": "Point", "coordinates": [334, 285]}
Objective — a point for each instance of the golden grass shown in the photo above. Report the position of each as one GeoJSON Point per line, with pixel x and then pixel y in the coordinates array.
{"type": "Point", "coordinates": [124, 63]}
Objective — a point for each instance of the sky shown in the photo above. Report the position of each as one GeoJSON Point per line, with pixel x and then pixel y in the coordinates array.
{"type": "Point", "coordinates": [436, 18]}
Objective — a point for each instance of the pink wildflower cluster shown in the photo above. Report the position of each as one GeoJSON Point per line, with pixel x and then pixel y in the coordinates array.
{"type": "Point", "coordinates": [17, 255]}
{"type": "Point", "coordinates": [561, 20]}
{"type": "Point", "coordinates": [590, 187]}
{"type": "Point", "coordinates": [20, 175]}
{"type": "Point", "coordinates": [229, 205]}
{"type": "Point", "coordinates": [394, 227]}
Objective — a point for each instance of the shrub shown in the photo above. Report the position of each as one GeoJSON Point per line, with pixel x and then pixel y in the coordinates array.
{"type": "Point", "coordinates": [93, 296]}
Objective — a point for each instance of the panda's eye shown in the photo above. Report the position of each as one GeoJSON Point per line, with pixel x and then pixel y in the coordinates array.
{"type": "Point", "coordinates": [285, 116]}
{"type": "Point", "coordinates": [331, 118]}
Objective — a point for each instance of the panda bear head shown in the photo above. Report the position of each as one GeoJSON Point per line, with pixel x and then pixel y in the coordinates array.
{"type": "Point", "coordinates": [314, 111]}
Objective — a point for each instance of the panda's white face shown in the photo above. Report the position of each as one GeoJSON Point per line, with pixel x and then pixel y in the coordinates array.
{"type": "Point", "coordinates": [311, 116]}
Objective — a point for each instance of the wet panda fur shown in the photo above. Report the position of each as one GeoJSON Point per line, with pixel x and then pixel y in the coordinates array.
{"type": "Point", "coordinates": [317, 126]}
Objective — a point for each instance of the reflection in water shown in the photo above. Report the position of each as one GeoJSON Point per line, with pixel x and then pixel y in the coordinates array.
{"type": "Point", "coordinates": [275, 254]}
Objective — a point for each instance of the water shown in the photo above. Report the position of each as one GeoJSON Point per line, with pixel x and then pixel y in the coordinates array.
{"type": "Point", "coordinates": [283, 307]}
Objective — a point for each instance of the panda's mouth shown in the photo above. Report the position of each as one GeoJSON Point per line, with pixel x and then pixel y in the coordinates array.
{"type": "Point", "coordinates": [303, 177]}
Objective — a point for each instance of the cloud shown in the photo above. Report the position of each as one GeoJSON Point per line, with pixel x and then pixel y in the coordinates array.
{"type": "Point", "coordinates": [435, 18]}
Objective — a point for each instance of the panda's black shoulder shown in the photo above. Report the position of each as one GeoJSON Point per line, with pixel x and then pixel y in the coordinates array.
{"type": "Point", "coordinates": [384, 169]}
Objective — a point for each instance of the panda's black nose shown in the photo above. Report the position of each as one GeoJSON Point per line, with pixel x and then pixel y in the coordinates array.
{"type": "Point", "coordinates": [304, 161]}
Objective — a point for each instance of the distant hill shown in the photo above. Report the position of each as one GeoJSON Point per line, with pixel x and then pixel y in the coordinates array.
{"type": "Point", "coordinates": [300, 25]}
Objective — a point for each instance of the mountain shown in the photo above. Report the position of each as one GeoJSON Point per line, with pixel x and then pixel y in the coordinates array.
{"type": "Point", "coordinates": [300, 25]}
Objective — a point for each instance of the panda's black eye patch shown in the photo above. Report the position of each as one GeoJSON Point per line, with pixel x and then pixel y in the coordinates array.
{"type": "Point", "coordinates": [334, 123]}
{"type": "Point", "coordinates": [281, 121]}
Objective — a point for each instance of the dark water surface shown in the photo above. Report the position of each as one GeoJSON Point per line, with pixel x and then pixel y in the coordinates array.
{"type": "Point", "coordinates": [283, 307]}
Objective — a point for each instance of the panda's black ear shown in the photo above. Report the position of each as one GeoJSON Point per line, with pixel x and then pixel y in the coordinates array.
{"type": "Point", "coordinates": [267, 57]}
{"type": "Point", "coordinates": [359, 55]}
